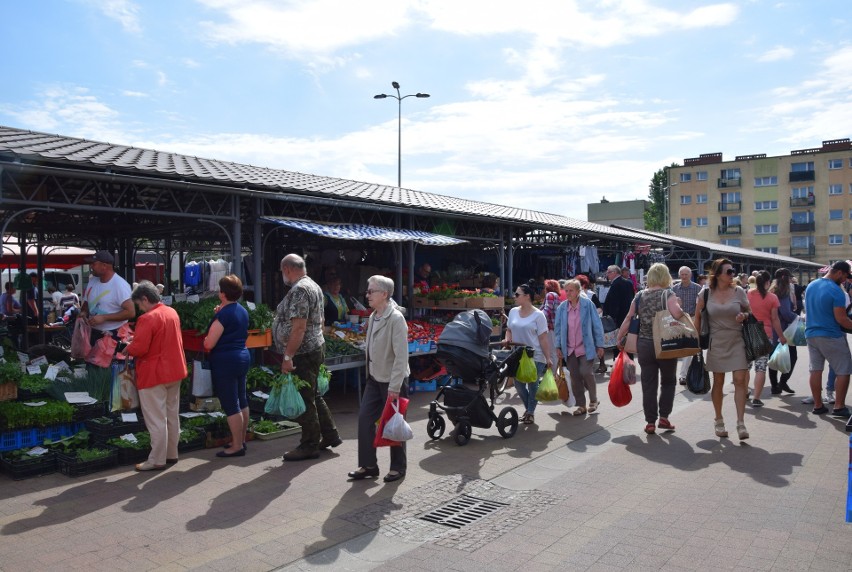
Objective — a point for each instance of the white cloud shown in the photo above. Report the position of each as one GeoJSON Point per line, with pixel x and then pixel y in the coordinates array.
{"type": "Point", "coordinates": [776, 54]}
{"type": "Point", "coordinates": [130, 93]}
{"type": "Point", "coordinates": [124, 12]}
{"type": "Point", "coordinates": [190, 63]}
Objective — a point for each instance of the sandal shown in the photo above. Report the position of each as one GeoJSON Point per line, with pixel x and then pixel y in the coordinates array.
{"type": "Point", "coordinates": [524, 418]}
{"type": "Point", "coordinates": [650, 429]}
{"type": "Point", "coordinates": [720, 428]}
{"type": "Point", "coordinates": [593, 406]}
{"type": "Point", "coordinates": [529, 419]}
{"type": "Point", "coordinates": [580, 411]}
{"type": "Point", "coordinates": [742, 433]}
{"type": "Point", "coordinates": [664, 423]}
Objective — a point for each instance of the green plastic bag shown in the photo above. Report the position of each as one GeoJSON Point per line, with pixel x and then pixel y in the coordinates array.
{"type": "Point", "coordinates": [284, 398]}
{"type": "Point", "coordinates": [547, 390]}
{"type": "Point", "coordinates": [527, 372]}
{"type": "Point", "coordinates": [322, 381]}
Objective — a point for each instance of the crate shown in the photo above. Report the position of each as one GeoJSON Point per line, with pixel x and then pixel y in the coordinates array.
{"type": "Point", "coordinates": [19, 469]}
{"type": "Point", "coordinates": [195, 444]}
{"type": "Point", "coordinates": [101, 433]}
{"type": "Point", "coordinates": [27, 395]}
{"type": "Point", "coordinates": [8, 391]}
{"type": "Point", "coordinates": [130, 456]}
{"type": "Point", "coordinates": [22, 438]}
{"type": "Point", "coordinates": [70, 466]}
{"type": "Point", "coordinates": [448, 381]}
{"type": "Point", "coordinates": [192, 341]}
{"type": "Point", "coordinates": [416, 386]}
{"type": "Point", "coordinates": [421, 302]}
{"type": "Point", "coordinates": [90, 411]}
{"type": "Point", "coordinates": [287, 428]}
{"type": "Point", "coordinates": [259, 339]}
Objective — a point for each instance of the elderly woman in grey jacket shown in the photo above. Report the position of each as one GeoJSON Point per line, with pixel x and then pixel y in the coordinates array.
{"type": "Point", "coordinates": [387, 376]}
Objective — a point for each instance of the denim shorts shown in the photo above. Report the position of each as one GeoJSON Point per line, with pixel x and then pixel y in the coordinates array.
{"type": "Point", "coordinates": [833, 350]}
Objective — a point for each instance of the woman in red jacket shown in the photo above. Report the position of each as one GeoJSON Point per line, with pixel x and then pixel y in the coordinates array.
{"type": "Point", "coordinates": [157, 347]}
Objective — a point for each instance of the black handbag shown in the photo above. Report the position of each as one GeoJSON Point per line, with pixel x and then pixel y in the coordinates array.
{"type": "Point", "coordinates": [697, 377]}
{"type": "Point", "coordinates": [757, 343]}
{"type": "Point", "coordinates": [608, 324]}
{"type": "Point", "coordinates": [704, 334]}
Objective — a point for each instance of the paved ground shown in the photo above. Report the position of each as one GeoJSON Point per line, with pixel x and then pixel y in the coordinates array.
{"type": "Point", "coordinates": [590, 493]}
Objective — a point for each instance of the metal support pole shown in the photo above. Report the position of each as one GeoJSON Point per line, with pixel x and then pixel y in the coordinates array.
{"type": "Point", "coordinates": [257, 253]}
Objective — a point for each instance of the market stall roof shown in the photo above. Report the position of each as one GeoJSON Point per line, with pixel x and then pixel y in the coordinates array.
{"type": "Point", "coordinates": [92, 158]}
{"type": "Point", "coordinates": [366, 232]}
{"type": "Point", "coordinates": [718, 248]}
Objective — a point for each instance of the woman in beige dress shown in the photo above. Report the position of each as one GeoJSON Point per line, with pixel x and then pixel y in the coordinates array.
{"type": "Point", "coordinates": [728, 307]}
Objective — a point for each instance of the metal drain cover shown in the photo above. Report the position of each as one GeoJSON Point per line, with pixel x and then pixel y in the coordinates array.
{"type": "Point", "coordinates": [462, 511]}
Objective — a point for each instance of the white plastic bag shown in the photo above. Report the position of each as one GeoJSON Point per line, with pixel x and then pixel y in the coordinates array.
{"type": "Point", "coordinates": [780, 359]}
{"type": "Point", "coordinates": [397, 428]}
{"type": "Point", "coordinates": [202, 381]}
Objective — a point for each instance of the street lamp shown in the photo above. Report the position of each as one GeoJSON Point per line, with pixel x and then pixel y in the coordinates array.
{"type": "Point", "coordinates": [399, 99]}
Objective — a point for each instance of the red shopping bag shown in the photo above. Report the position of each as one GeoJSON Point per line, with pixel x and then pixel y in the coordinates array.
{"type": "Point", "coordinates": [619, 392]}
{"type": "Point", "coordinates": [388, 412]}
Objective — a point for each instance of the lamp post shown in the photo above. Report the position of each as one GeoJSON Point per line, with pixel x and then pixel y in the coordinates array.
{"type": "Point", "coordinates": [399, 99]}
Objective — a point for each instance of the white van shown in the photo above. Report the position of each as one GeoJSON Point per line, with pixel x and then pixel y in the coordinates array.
{"type": "Point", "coordinates": [56, 277]}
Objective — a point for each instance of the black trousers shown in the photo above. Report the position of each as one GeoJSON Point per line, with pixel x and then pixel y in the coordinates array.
{"type": "Point", "coordinates": [372, 404]}
{"type": "Point", "coordinates": [316, 421]}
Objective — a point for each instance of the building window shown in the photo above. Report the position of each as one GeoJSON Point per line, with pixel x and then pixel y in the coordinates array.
{"type": "Point", "coordinates": [766, 229]}
{"type": "Point", "coordinates": [835, 239]}
{"type": "Point", "coordinates": [685, 222]}
{"type": "Point", "coordinates": [850, 239]}
{"type": "Point", "coordinates": [765, 181]}
{"type": "Point", "coordinates": [802, 192]}
{"type": "Point", "coordinates": [835, 189]}
{"type": "Point", "coordinates": [766, 206]}
{"type": "Point", "coordinates": [801, 241]}
{"type": "Point", "coordinates": [701, 221]}
{"type": "Point", "coordinates": [686, 199]}
{"type": "Point", "coordinates": [802, 167]}
{"type": "Point", "coordinates": [730, 174]}
{"type": "Point", "coordinates": [685, 177]}
{"type": "Point", "coordinates": [702, 199]}
{"type": "Point", "coordinates": [850, 214]}
{"type": "Point", "coordinates": [835, 214]}
{"type": "Point", "coordinates": [835, 164]}
{"type": "Point", "coordinates": [802, 216]}
{"type": "Point", "coordinates": [701, 176]}
{"type": "Point", "coordinates": [732, 242]}
{"type": "Point", "coordinates": [768, 249]}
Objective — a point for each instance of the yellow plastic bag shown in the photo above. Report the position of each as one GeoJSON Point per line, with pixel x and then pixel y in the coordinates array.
{"type": "Point", "coordinates": [547, 390]}
{"type": "Point", "coordinates": [527, 372]}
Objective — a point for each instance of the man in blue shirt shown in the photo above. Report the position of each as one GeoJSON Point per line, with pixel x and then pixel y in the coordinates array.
{"type": "Point", "coordinates": [825, 303]}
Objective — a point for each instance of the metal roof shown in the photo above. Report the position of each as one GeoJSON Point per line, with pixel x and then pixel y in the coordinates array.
{"type": "Point", "coordinates": [776, 259]}
{"type": "Point", "coordinates": [345, 231]}
{"type": "Point", "coordinates": [57, 149]}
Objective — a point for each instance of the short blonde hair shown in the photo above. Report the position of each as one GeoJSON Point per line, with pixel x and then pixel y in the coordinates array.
{"type": "Point", "coordinates": [658, 275]}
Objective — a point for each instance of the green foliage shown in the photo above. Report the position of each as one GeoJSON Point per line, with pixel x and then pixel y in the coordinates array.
{"type": "Point", "coordinates": [658, 190]}
{"type": "Point", "coordinates": [70, 444]}
{"type": "Point", "coordinates": [257, 378]}
{"type": "Point", "coordinates": [10, 372]}
{"type": "Point", "coordinates": [260, 318]}
{"type": "Point", "coordinates": [285, 378]}
{"type": "Point", "coordinates": [265, 426]}
{"type": "Point", "coordinates": [143, 442]}
{"type": "Point", "coordinates": [93, 454]}
{"type": "Point", "coordinates": [20, 455]}
{"type": "Point", "coordinates": [97, 382]}
{"type": "Point", "coordinates": [34, 383]}
{"type": "Point", "coordinates": [188, 435]}
{"type": "Point", "coordinates": [197, 316]}
{"type": "Point", "coordinates": [15, 415]}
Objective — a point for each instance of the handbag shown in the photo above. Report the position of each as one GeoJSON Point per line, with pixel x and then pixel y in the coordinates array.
{"type": "Point", "coordinates": [630, 346]}
{"type": "Point", "coordinates": [202, 379]}
{"type": "Point", "coordinates": [673, 337]}
{"type": "Point", "coordinates": [128, 391]}
{"type": "Point", "coordinates": [561, 383]}
{"type": "Point", "coordinates": [704, 334]}
{"type": "Point", "coordinates": [757, 343]}
{"type": "Point", "coordinates": [697, 377]}
{"type": "Point", "coordinates": [619, 392]}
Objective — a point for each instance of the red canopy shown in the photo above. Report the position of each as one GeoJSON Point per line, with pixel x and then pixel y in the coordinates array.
{"type": "Point", "coordinates": [62, 257]}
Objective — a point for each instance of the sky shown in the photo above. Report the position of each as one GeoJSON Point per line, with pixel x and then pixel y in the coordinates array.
{"type": "Point", "coordinates": [545, 105]}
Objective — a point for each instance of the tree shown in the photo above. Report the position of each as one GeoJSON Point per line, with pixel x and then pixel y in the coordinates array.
{"type": "Point", "coordinates": [655, 214]}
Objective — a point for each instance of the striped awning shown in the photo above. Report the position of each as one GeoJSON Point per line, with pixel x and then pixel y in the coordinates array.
{"type": "Point", "coordinates": [366, 232]}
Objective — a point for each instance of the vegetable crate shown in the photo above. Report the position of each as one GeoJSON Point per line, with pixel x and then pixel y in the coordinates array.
{"type": "Point", "coordinates": [195, 443]}
{"type": "Point", "coordinates": [287, 428]}
{"type": "Point", "coordinates": [416, 386]}
{"type": "Point", "coordinates": [101, 432]}
{"type": "Point", "coordinates": [90, 411]}
{"type": "Point", "coordinates": [258, 339]}
{"type": "Point", "coordinates": [129, 455]}
{"type": "Point", "coordinates": [19, 469]}
{"type": "Point", "coordinates": [192, 341]}
{"type": "Point", "coordinates": [21, 438]}
{"type": "Point", "coordinates": [71, 466]}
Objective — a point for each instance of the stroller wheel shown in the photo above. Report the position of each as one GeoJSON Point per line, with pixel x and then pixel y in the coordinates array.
{"type": "Point", "coordinates": [435, 427]}
{"type": "Point", "coordinates": [507, 422]}
{"type": "Point", "coordinates": [462, 433]}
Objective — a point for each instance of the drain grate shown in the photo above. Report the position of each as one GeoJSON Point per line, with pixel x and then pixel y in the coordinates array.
{"type": "Point", "coordinates": [462, 511]}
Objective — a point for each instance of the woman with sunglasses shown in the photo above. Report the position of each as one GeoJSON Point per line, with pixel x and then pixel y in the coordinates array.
{"type": "Point", "coordinates": [527, 325]}
{"type": "Point", "coordinates": [728, 308]}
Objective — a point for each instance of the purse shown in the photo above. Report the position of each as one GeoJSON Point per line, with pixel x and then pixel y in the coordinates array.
{"type": "Point", "coordinates": [757, 343]}
{"type": "Point", "coordinates": [697, 377]}
{"type": "Point", "coordinates": [704, 334]}
{"type": "Point", "coordinates": [129, 392]}
{"type": "Point", "coordinates": [673, 338]}
{"type": "Point", "coordinates": [561, 384]}
{"type": "Point", "coordinates": [630, 346]}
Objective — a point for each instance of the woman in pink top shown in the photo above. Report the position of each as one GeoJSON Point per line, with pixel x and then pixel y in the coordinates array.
{"type": "Point", "coordinates": [764, 305]}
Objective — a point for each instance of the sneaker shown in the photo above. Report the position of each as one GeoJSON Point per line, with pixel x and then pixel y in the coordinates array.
{"type": "Point", "coordinates": [820, 410]}
{"type": "Point", "coordinates": [682, 381]}
{"type": "Point", "coordinates": [842, 412]}
{"type": "Point", "coordinates": [829, 397]}
{"type": "Point", "coordinates": [756, 403]}
{"type": "Point", "coordinates": [807, 400]}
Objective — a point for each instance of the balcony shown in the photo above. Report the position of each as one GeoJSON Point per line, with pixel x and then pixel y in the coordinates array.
{"type": "Point", "coordinates": [802, 226]}
{"type": "Point", "coordinates": [803, 201]}
{"type": "Point", "coordinates": [728, 183]}
{"type": "Point", "coordinates": [733, 206]}
{"type": "Point", "coordinates": [800, 176]}
{"type": "Point", "coordinates": [809, 250]}
{"type": "Point", "coordinates": [730, 229]}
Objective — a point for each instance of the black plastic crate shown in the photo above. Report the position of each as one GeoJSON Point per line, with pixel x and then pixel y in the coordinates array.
{"type": "Point", "coordinates": [27, 395]}
{"type": "Point", "coordinates": [19, 469]}
{"type": "Point", "coordinates": [131, 456]}
{"type": "Point", "coordinates": [194, 444]}
{"type": "Point", "coordinates": [70, 466]}
{"type": "Point", "coordinates": [101, 432]}
{"type": "Point", "coordinates": [90, 411]}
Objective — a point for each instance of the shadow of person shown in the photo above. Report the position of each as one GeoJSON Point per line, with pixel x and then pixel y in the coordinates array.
{"type": "Point", "coordinates": [356, 513]}
{"type": "Point", "coordinates": [666, 449]}
{"type": "Point", "coordinates": [759, 464]}
{"type": "Point", "coordinates": [786, 415]}
{"type": "Point", "coordinates": [81, 500]}
{"type": "Point", "coordinates": [242, 502]}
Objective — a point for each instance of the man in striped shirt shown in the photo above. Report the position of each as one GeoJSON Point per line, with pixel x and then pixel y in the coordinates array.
{"type": "Point", "coordinates": [687, 291]}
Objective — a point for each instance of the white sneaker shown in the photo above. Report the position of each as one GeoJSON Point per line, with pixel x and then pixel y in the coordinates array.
{"type": "Point", "coordinates": [808, 400]}
{"type": "Point", "coordinates": [829, 397]}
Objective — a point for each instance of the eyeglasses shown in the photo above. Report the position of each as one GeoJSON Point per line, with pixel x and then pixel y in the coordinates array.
{"type": "Point", "coordinates": [371, 292]}
{"type": "Point", "coordinates": [518, 294]}
{"type": "Point", "coordinates": [731, 272]}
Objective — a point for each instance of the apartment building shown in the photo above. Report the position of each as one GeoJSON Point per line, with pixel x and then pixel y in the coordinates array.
{"type": "Point", "coordinates": [796, 205]}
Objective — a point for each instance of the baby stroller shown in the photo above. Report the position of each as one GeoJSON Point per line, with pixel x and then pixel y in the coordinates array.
{"type": "Point", "coordinates": [463, 349]}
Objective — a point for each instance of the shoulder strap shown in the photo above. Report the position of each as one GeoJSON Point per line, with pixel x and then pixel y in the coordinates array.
{"type": "Point", "coordinates": [706, 295]}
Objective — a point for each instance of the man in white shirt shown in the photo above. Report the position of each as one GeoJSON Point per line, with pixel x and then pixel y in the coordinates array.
{"type": "Point", "coordinates": [106, 301]}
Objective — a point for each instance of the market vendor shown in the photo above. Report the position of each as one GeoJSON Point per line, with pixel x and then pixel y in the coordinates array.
{"type": "Point", "coordinates": [335, 303]}
{"type": "Point", "coordinates": [490, 284]}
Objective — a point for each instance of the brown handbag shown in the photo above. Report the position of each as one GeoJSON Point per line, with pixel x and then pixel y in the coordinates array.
{"type": "Point", "coordinates": [561, 383]}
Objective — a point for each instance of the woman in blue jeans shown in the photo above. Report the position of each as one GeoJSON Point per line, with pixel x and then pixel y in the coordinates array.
{"type": "Point", "coordinates": [527, 325]}
{"type": "Point", "coordinates": [229, 361]}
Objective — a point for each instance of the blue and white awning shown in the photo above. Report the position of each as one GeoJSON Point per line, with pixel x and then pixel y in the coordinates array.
{"type": "Point", "coordinates": [365, 232]}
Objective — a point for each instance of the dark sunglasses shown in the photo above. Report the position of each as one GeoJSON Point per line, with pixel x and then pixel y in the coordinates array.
{"type": "Point", "coordinates": [731, 272]}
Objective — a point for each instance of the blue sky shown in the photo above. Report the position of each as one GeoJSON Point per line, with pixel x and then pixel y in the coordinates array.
{"type": "Point", "coordinates": [546, 105]}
